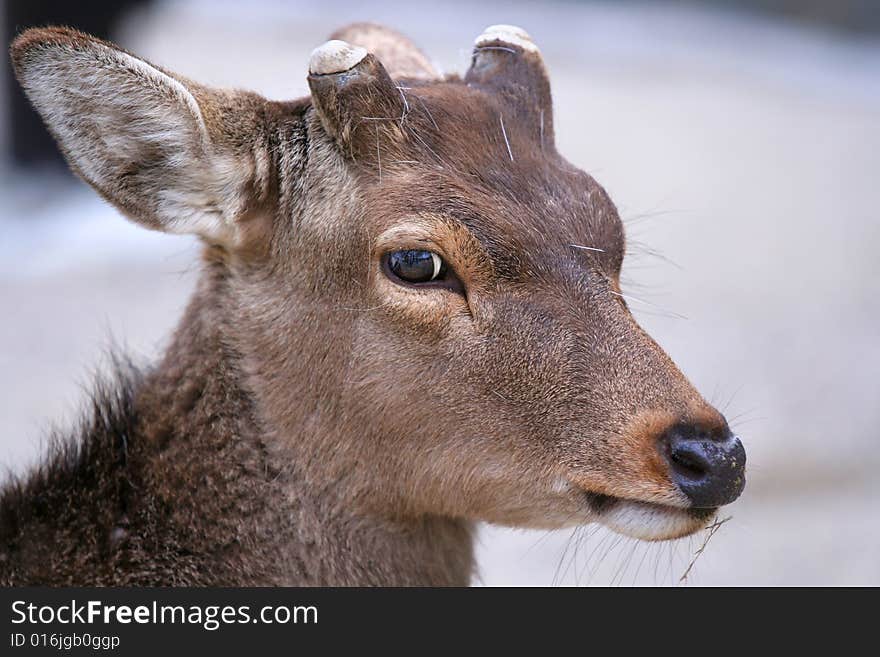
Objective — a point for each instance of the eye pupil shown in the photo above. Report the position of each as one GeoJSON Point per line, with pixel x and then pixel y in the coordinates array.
{"type": "Point", "coordinates": [415, 266]}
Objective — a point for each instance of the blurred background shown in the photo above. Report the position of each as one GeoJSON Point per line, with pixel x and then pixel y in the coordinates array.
{"type": "Point", "coordinates": [741, 143]}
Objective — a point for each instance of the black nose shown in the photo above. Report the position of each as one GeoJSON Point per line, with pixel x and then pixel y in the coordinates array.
{"type": "Point", "coordinates": [708, 465]}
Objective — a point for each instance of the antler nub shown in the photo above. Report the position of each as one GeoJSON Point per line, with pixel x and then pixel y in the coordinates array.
{"type": "Point", "coordinates": [356, 100]}
{"type": "Point", "coordinates": [507, 63]}
{"type": "Point", "coordinates": [511, 34]}
{"type": "Point", "coordinates": [335, 57]}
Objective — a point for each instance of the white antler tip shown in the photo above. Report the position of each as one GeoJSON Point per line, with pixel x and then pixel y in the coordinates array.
{"type": "Point", "coordinates": [335, 57]}
{"type": "Point", "coordinates": [511, 34]}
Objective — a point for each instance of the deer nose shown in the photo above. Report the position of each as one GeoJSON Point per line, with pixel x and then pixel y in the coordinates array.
{"type": "Point", "coordinates": [708, 465]}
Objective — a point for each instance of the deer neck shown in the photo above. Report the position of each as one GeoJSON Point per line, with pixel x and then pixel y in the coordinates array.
{"type": "Point", "coordinates": [248, 479]}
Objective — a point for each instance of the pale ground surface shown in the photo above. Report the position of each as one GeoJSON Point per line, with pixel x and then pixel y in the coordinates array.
{"type": "Point", "coordinates": [748, 153]}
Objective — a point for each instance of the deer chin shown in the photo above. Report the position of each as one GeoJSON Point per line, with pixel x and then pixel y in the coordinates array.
{"type": "Point", "coordinates": [648, 521]}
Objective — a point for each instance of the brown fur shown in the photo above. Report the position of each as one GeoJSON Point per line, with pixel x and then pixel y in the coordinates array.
{"type": "Point", "coordinates": [314, 422]}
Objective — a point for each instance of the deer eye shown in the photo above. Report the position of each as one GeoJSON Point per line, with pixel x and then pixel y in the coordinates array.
{"type": "Point", "coordinates": [414, 266]}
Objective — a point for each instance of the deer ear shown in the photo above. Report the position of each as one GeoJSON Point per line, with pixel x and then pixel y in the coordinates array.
{"type": "Point", "coordinates": [134, 132]}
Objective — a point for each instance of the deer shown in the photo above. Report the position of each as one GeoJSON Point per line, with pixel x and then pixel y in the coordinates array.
{"type": "Point", "coordinates": [408, 320]}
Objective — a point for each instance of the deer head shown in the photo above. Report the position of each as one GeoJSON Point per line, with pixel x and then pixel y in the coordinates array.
{"type": "Point", "coordinates": [420, 293]}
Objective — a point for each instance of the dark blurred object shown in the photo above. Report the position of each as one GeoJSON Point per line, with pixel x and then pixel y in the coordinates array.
{"type": "Point", "coordinates": [852, 15]}
{"type": "Point", "coordinates": [30, 143]}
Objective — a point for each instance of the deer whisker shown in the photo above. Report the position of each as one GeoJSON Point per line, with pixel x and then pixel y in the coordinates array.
{"type": "Point", "coordinates": [496, 48]}
{"type": "Point", "coordinates": [504, 133]}
{"type": "Point", "coordinates": [648, 303]}
{"type": "Point", "coordinates": [586, 248]}
{"type": "Point", "coordinates": [427, 111]}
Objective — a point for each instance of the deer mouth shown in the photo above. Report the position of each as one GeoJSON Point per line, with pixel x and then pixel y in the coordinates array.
{"type": "Point", "coordinates": [648, 521]}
